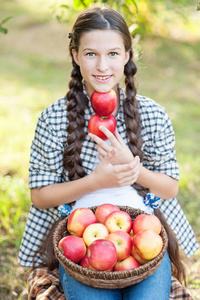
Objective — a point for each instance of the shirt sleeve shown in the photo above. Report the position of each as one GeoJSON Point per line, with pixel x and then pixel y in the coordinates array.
{"type": "Point", "coordinates": [46, 159]}
{"type": "Point", "coordinates": [159, 145]}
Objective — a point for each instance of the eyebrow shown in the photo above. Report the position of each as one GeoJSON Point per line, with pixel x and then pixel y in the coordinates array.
{"type": "Point", "coordinates": [109, 50]}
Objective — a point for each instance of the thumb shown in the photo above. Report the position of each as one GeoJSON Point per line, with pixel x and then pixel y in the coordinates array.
{"type": "Point", "coordinates": [110, 155]}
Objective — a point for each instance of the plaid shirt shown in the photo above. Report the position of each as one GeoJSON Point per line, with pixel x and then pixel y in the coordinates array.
{"type": "Point", "coordinates": [46, 166]}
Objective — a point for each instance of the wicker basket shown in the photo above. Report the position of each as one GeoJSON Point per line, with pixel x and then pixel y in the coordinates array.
{"type": "Point", "coordinates": [105, 279]}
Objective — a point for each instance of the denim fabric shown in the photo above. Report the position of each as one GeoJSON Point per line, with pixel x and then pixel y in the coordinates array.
{"type": "Point", "coordinates": [155, 287]}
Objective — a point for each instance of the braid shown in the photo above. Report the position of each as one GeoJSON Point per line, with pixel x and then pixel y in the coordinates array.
{"type": "Point", "coordinates": [132, 117]}
{"type": "Point", "coordinates": [76, 105]}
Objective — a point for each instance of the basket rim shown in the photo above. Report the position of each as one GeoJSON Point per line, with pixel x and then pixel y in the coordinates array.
{"type": "Point", "coordinates": [106, 275]}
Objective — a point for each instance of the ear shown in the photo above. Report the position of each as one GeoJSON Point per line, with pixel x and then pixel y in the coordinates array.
{"type": "Point", "coordinates": [127, 56]}
{"type": "Point", "coordinates": [75, 56]}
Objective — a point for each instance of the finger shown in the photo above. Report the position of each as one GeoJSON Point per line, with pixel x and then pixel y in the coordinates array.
{"type": "Point", "coordinates": [127, 180]}
{"type": "Point", "coordinates": [100, 157]}
{"type": "Point", "coordinates": [109, 156]}
{"type": "Point", "coordinates": [124, 167]}
{"type": "Point", "coordinates": [100, 142]}
{"type": "Point", "coordinates": [119, 138]}
{"type": "Point", "coordinates": [110, 136]}
{"type": "Point", "coordinates": [103, 151]}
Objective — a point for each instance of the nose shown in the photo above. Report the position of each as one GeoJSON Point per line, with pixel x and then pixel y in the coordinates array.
{"type": "Point", "coordinates": [102, 64]}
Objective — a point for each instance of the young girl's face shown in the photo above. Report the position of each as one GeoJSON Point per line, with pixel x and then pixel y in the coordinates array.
{"type": "Point", "coordinates": [101, 57]}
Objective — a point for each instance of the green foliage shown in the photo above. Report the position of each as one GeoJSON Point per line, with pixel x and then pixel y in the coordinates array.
{"type": "Point", "coordinates": [151, 17]}
{"type": "Point", "coordinates": [2, 29]}
{"type": "Point", "coordinates": [14, 196]}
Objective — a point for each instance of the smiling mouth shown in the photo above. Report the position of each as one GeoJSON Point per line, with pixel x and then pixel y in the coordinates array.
{"type": "Point", "coordinates": [102, 77]}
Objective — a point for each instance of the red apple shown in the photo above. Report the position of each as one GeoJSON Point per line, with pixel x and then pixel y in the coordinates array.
{"type": "Point", "coordinates": [94, 232]}
{"type": "Point", "coordinates": [119, 220]}
{"type": "Point", "coordinates": [122, 242]}
{"type": "Point", "coordinates": [104, 210]}
{"type": "Point", "coordinates": [95, 121]}
{"type": "Point", "coordinates": [73, 247]}
{"type": "Point", "coordinates": [148, 244]}
{"type": "Point", "coordinates": [143, 222]}
{"type": "Point", "coordinates": [79, 219]}
{"type": "Point", "coordinates": [129, 263]}
{"type": "Point", "coordinates": [85, 262]}
{"type": "Point", "coordinates": [104, 103]}
{"type": "Point", "coordinates": [102, 255]}
{"type": "Point", "coordinates": [134, 253]}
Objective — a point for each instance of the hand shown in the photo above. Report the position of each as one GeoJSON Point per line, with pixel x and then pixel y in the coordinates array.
{"type": "Point", "coordinates": [123, 155]}
{"type": "Point", "coordinates": [107, 175]}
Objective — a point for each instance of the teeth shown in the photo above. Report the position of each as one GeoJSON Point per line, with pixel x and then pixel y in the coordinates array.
{"type": "Point", "coordinates": [102, 77]}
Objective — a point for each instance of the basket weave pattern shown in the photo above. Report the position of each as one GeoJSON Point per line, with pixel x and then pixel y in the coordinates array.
{"type": "Point", "coordinates": [105, 279]}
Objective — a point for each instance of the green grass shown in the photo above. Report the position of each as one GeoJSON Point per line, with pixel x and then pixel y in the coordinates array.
{"type": "Point", "coordinates": [35, 71]}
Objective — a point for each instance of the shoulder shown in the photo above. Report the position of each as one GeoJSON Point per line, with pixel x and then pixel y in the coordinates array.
{"type": "Point", "coordinates": [53, 121]}
{"type": "Point", "coordinates": [55, 114]}
{"type": "Point", "coordinates": [151, 111]}
{"type": "Point", "coordinates": [149, 106]}
{"type": "Point", "coordinates": [154, 117]}
{"type": "Point", "coordinates": [55, 110]}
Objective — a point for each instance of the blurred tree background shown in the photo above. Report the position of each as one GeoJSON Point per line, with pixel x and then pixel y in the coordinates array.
{"type": "Point", "coordinates": [35, 70]}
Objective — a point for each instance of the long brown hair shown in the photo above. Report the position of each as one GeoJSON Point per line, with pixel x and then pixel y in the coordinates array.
{"type": "Point", "coordinates": [103, 19]}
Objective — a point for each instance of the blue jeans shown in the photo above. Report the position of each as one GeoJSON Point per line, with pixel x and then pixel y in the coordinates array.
{"type": "Point", "coordinates": [155, 287]}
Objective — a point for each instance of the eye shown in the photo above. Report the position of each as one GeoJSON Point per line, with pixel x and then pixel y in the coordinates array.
{"type": "Point", "coordinates": [90, 54]}
{"type": "Point", "coordinates": [113, 53]}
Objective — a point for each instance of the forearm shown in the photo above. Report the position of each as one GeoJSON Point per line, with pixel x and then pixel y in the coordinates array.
{"type": "Point", "coordinates": [105, 175]}
{"type": "Point", "coordinates": [61, 193]}
{"type": "Point", "coordinates": [159, 184]}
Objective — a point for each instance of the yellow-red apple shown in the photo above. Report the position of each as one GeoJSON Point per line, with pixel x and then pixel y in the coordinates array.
{"type": "Point", "coordinates": [79, 219]}
{"type": "Point", "coordinates": [148, 244]}
{"type": "Point", "coordinates": [122, 242]}
{"type": "Point", "coordinates": [128, 263]}
{"type": "Point", "coordinates": [134, 253]}
{"type": "Point", "coordinates": [104, 210]}
{"type": "Point", "coordinates": [94, 232]}
{"type": "Point", "coordinates": [102, 255]}
{"type": "Point", "coordinates": [73, 247]}
{"type": "Point", "coordinates": [143, 222]}
{"type": "Point", "coordinates": [119, 220]}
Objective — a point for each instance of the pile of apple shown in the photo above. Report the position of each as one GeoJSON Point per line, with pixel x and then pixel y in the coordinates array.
{"type": "Point", "coordinates": [103, 105]}
{"type": "Point", "coordinates": [108, 240]}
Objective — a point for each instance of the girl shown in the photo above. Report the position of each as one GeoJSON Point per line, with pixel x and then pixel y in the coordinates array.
{"type": "Point", "coordinates": [70, 166]}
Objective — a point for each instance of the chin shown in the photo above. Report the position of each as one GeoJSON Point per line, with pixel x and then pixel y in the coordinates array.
{"type": "Point", "coordinates": [101, 88]}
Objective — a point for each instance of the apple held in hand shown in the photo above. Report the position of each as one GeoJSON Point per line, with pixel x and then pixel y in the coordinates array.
{"type": "Point", "coordinates": [122, 242]}
{"type": "Point", "coordinates": [148, 244]}
{"type": "Point", "coordinates": [94, 232]}
{"type": "Point", "coordinates": [73, 248]}
{"type": "Point", "coordinates": [102, 255]}
{"type": "Point", "coordinates": [143, 222]}
{"type": "Point", "coordinates": [129, 263]}
{"type": "Point", "coordinates": [104, 103]}
{"type": "Point", "coordinates": [119, 220]}
{"type": "Point", "coordinates": [79, 219]}
{"type": "Point", "coordinates": [95, 121]}
{"type": "Point", "coordinates": [104, 210]}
